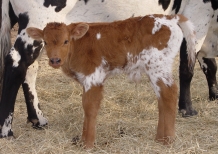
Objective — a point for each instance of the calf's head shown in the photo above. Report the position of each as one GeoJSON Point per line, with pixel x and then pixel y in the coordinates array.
{"type": "Point", "coordinates": [59, 39]}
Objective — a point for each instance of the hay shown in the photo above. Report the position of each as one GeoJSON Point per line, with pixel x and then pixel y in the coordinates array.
{"type": "Point", "coordinates": [127, 120]}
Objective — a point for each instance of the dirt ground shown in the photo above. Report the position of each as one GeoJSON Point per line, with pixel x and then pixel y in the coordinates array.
{"type": "Point", "coordinates": [127, 120]}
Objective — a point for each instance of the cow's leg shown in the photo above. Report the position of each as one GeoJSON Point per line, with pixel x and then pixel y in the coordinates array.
{"type": "Point", "coordinates": [14, 74]}
{"type": "Point", "coordinates": [185, 76]}
{"type": "Point", "coordinates": [35, 115]}
{"type": "Point", "coordinates": [91, 104]}
{"type": "Point", "coordinates": [20, 57]}
{"type": "Point", "coordinates": [167, 103]}
{"type": "Point", "coordinates": [209, 67]}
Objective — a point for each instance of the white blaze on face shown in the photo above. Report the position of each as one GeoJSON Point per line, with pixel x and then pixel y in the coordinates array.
{"type": "Point", "coordinates": [98, 36]}
{"type": "Point", "coordinates": [15, 57]}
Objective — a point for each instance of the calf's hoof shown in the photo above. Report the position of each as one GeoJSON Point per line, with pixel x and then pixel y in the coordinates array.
{"type": "Point", "coordinates": [86, 145]}
{"type": "Point", "coordinates": [165, 140]}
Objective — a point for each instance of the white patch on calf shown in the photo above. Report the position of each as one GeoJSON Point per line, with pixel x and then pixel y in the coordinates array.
{"type": "Point", "coordinates": [94, 79]}
{"type": "Point", "coordinates": [154, 63]}
{"type": "Point", "coordinates": [98, 36]}
{"type": "Point", "coordinates": [162, 21]}
{"type": "Point", "coordinates": [157, 27]}
{"type": "Point", "coordinates": [134, 67]}
{"type": "Point", "coordinates": [157, 64]}
{"type": "Point", "coordinates": [6, 128]}
{"type": "Point", "coordinates": [15, 56]}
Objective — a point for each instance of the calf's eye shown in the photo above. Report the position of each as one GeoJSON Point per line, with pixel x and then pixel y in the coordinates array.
{"type": "Point", "coordinates": [66, 41]}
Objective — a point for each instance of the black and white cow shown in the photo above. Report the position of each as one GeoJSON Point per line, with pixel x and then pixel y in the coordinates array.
{"type": "Point", "coordinates": [20, 62]}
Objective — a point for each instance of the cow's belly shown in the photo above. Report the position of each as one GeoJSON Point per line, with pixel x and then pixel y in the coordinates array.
{"type": "Point", "coordinates": [210, 46]}
{"type": "Point", "coordinates": [38, 14]}
{"type": "Point", "coordinates": [110, 10]}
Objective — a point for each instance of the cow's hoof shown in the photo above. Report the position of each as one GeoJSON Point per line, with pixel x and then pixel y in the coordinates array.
{"type": "Point", "coordinates": [43, 121]}
{"type": "Point", "coordinates": [213, 93]}
{"type": "Point", "coordinates": [36, 124]}
{"type": "Point", "coordinates": [188, 113]}
{"type": "Point", "coordinates": [8, 135]}
{"type": "Point", "coordinates": [213, 97]}
{"type": "Point", "coordinates": [38, 127]}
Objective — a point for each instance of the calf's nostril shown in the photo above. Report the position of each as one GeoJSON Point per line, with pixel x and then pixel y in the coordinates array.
{"type": "Point", "coordinates": [52, 61]}
{"type": "Point", "coordinates": [58, 60]}
{"type": "Point", "coordinates": [55, 60]}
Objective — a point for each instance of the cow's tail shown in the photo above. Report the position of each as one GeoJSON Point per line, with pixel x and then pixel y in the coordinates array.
{"type": "Point", "coordinates": [5, 37]}
{"type": "Point", "coordinates": [189, 34]}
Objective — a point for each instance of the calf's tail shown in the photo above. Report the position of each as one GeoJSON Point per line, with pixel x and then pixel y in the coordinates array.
{"type": "Point", "coordinates": [5, 37]}
{"type": "Point", "coordinates": [188, 32]}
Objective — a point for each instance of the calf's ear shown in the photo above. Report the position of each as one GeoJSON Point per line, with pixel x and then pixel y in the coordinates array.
{"type": "Point", "coordinates": [35, 33]}
{"type": "Point", "coordinates": [79, 30]}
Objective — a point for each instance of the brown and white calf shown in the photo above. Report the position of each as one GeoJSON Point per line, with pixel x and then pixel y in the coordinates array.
{"type": "Point", "coordinates": [90, 52]}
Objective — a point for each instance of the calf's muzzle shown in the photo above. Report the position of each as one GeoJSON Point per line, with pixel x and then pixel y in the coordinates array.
{"type": "Point", "coordinates": [55, 62]}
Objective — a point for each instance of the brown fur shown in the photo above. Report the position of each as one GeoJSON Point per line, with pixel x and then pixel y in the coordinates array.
{"type": "Point", "coordinates": [91, 103]}
{"type": "Point", "coordinates": [111, 34]}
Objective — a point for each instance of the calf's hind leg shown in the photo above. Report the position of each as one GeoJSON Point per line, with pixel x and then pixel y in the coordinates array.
{"type": "Point", "coordinates": [167, 103]}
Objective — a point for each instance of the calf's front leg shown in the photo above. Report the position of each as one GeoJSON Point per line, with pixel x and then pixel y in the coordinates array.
{"type": "Point", "coordinates": [91, 103]}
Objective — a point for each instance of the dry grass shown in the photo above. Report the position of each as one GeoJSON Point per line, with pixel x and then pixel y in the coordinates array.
{"type": "Point", "coordinates": [126, 123]}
